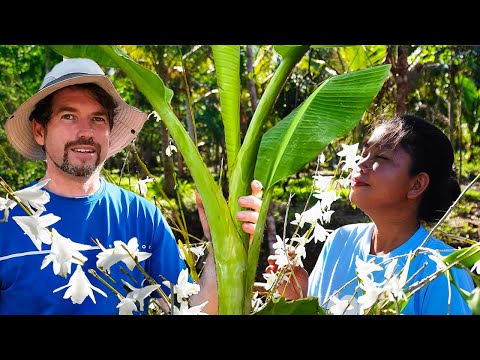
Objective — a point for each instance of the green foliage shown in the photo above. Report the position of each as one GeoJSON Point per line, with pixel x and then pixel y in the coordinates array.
{"type": "Point", "coordinates": [473, 196]}
{"type": "Point", "coordinates": [280, 306]}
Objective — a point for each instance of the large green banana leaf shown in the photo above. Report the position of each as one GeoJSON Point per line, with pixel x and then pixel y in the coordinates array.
{"type": "Point", "coordinates": [333, 109]}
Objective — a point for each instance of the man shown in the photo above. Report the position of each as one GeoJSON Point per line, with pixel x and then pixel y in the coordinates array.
{"type": "Point", "coordinates": [74, 123]}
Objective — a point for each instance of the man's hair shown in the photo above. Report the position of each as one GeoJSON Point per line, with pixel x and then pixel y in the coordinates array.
{"type": "Point", "coordinates": [43, 110]}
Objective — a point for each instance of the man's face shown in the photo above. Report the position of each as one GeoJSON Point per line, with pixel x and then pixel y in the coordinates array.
{"type": "Point", "coordinates": [77, 137]}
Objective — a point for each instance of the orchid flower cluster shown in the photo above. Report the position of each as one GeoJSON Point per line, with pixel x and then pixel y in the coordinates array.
{"type": "Point", "coordinates": [289, 252]}
{"type": "Point", "coordinates": [386, 297]}
{"type": "Point", "coordinates": [64, 252]}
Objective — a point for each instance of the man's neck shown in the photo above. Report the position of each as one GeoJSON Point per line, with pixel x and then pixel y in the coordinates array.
{"type": "Point", "coordinates": [72, 186]}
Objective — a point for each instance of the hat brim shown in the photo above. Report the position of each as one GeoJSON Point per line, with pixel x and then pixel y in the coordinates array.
{"type": "Point", "coordinates": [127, 123]}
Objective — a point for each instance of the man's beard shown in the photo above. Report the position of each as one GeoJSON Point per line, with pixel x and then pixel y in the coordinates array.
{"type": "Point", "coordinates": [83, 170]}
{"type": "Point", "coordinates": [79, 170]}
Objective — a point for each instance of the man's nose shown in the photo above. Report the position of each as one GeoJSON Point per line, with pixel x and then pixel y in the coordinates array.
{"type": "Point", "coordinates": [85, 129]}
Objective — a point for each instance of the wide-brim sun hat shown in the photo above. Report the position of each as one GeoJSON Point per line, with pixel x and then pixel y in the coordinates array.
{"type": "Point", "coordinates": [127, 122]}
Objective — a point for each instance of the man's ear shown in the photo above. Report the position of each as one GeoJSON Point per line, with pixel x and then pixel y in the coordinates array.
{"type": "Point", "coordinates": [38, 132]}
{"type": "Point", "coordinates": [418, 185]}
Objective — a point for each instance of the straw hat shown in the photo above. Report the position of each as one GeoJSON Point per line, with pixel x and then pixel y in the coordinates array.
{"type": "Point", "coordinates": [127, 123]}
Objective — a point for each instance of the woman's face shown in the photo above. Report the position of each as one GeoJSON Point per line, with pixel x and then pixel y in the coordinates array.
{"type": "Point", "coordinates": [383, 180]}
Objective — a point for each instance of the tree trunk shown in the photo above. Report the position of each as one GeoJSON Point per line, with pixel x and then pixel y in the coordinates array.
{"type": "Point", "coordinates": [451, 102]}
{"type": "Point", "coordinates": [401, 80]}
{"type": "Point", "coordinates": [169, 182]}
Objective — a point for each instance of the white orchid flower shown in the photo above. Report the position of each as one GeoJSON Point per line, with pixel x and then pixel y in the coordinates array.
{"type": "Point", "coordinates": [198, 250]}
{"type": "Point", "coordinates": [371, 293]}
{"type": "Point", "coordinates": [6, 205]}
{"type": "Point", "coordinates": [140, 294]}
{"type": "Point", "coordinates": [319, 233]}
{"type": "Point", "coordinates": [390, 269]}
{"type": "Point", "coordinates": [437, 258]}
{"type": "Point", "coordinates": [109, 257]}
{"type": "Point", "coordinates": [126, 306]}
{"type": "Point", "coordinates": [344, 182]}
{"type": "Point", "coordinates": [257, 302]}
{"type": "Point", "coordinates": [36, 227]}
{"type": "Point", "coordinates": [79, 287]}
{"type": "Point", "coordinates": [170, 150]}
{"type": "Point", "coordinates": [271, 280]}
{"type": "Point", "coordinates": [344, 306]}
{"type": "Point", "coordinates": [64, 252]}
{"type": "Point", "coordinates": [322, 182]}
{"type": "Point", "coordinates": [365, 268]}
{"type": "Point", "coordinates": [33, 196]}
{"type": "Point", "coordinates": [322, 158]}
{"type": "Point", "coordinates": [141, 186]}
{"type": "Point", "coordinates": [326, 216]}
{"type": "Point", "coordinates": [351, 157]}
{"type": "Point", "coordinates": [349, 151]}
{"type": "Point", "coordinates": [476, 267]}
{"type": "Point", "coordinates": [185, 309]}
{"type": "Point", "coordinates": [327, 198]}
{"type": "Point", "coordinates": [310, 216]}
{"type": "Point", "coordinates": [184, 288]}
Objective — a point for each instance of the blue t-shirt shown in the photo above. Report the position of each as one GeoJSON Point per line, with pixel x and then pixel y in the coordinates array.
{"type": "Point", "coordinates": [112, 213]}
{"type": "Point", "coordinates": [336, 267]}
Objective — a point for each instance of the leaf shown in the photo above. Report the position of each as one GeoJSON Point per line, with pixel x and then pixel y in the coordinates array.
{"type": "Point", "coordinates": [286, 51]}
{"type": "Point", "coordinates": [281, 306]}
{"type": "Point", "coordinates": [333, 109]}
{"type": "Point", "coordinates": [362, 56]}
{"type": "Point", "coordinates": [465, 256]}
{"type": "Point", "coordinates": [227, 65]}
{"type": "Point", "coordinates": [85, 51]}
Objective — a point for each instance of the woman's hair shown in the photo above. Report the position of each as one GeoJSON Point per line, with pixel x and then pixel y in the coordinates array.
{"type": "Point", "coordinates": [43, 110]}
{"type": "Point", "coordinates": [431, 152]}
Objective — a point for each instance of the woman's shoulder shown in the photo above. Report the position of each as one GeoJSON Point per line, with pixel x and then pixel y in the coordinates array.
{"type": "Point", "coordinates": [355, 228]}
{"type": "Point", "coordinates": [353, 231]}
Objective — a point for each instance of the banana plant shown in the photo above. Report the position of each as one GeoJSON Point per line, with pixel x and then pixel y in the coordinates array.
{"type": "Point", "coordinates": [332, 110]}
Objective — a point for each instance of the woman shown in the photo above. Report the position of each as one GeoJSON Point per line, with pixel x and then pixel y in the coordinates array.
{"type": "Point", "coordinates": [404, 179]}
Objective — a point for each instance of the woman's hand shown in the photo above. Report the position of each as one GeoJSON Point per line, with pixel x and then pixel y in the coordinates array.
{"type": "Point", "coordinates": [297, 284]}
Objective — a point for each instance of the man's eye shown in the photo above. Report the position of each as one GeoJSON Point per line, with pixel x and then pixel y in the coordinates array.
{"type": "Point", "coordinates": [67, 116]}
{"type": "Point", "coordinates": [99, 119]}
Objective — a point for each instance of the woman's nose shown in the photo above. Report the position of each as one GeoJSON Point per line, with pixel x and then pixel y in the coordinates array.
{"type": "Point", "coordinates": [365, 163]}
